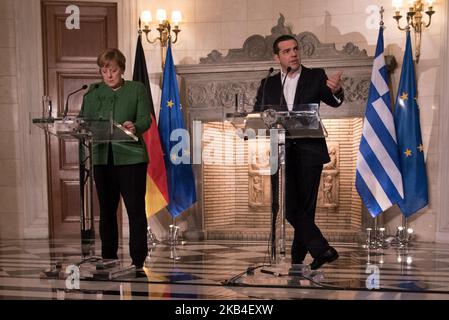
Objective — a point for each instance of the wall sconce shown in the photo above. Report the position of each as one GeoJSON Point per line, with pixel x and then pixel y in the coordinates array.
{"type": "Point", "coordinates": [414, 19]}
{"type": "Point", "coordinates": [165, 26]}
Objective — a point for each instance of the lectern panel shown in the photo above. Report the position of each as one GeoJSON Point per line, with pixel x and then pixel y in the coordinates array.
{"type": "Point", "coordinates": [68, 152]}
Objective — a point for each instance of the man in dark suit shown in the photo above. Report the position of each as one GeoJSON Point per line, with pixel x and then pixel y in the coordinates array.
{"type": "Point", "coordinates": [304, 156]}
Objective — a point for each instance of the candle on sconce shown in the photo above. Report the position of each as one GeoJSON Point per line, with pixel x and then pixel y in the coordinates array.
{"type": "Point", "coordinates": [167, 30]}
{"type": "Point", "coordinates": [415, 12]}
{"type": "Point", "coordinates": [161, 15]}
{"type": "Point", "coordinates": [397, 4]}
{"type": "Point", "coordinates": [146, 18]}
{"type": "Point", "coordinates": [176, 17]}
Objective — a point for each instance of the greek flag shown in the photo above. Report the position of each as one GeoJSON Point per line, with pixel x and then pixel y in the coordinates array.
{"type": "Point", "coordinates": [378, 176]}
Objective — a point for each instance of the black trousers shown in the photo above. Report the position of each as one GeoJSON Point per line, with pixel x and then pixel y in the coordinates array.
{"type": "Point", "coordinates": [301, 192]}
{"type": "Point", "coordinates": [130, 182]}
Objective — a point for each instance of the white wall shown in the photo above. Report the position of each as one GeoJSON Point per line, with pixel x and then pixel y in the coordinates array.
{"type": "Point", "coordinates": [11, 210]}
{"type": "Point", "coordinates": [207, 25]}
{"type": "Point", "coordinates": [443, 152]}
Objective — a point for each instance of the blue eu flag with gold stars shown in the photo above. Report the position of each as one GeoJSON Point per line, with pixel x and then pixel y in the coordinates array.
{"type": "Point", "coordinates": [408, 131]}
{"type": "Point", "coordinates": [175, 143]}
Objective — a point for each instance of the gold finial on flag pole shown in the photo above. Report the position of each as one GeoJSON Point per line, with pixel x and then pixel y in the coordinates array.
{"type": "Point", "coordinates": [381, 12]}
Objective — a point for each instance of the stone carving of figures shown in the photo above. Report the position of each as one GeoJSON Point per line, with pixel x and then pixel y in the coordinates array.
{"type": "Point", "coordinates": [327, 189]}
{"type": "Point", "coordinates": [331, 165]}
{"type": "Point", "coordinates": [257, 195]}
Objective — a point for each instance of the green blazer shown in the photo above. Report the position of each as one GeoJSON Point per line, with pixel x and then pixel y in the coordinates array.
{"type": "Point", "coordinates": [129, 103]}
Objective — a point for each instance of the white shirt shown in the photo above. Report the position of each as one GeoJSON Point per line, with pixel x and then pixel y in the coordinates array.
{"type": "Point", "coordinates": [290, 87]}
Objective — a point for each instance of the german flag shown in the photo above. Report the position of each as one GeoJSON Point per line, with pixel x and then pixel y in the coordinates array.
{"type": "Point", "coordinates": [156, 197]}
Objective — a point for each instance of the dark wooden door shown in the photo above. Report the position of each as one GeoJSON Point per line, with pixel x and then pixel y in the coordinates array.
{"type": "Point", "coordinates": [69, 63]}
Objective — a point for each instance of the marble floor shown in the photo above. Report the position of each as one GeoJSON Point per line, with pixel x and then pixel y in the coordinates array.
{"type": "Point", "coordinates": [221, 270]}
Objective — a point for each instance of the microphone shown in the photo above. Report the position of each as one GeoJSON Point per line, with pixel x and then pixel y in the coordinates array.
{"type": "Point", "coordinates": [282, 88]}
{"type": "Point", "coordinates": [95, 87]}
{"type": "Point", "coordinates": [262, 104]}
{"type": "Point", "coordinates": [66, 108]}
{"type": "Point", "coordinates": [91, 89]}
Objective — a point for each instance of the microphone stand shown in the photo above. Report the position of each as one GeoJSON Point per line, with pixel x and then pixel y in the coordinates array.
{"type": "Point", "coordinates": [280, 190]}
{"type": "Point", "coordinates": [262, 104]}
{"type": "Point", "coordinates": [66, 107]}
{"type": "Point", "coordinates": [282, 87]}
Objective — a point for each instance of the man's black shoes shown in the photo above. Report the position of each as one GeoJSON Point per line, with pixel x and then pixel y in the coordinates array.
{"type": "Point", "coordinates": [326, 257]}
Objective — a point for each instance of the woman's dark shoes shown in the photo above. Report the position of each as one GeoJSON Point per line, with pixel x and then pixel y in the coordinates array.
{"type": "Point", "coordinates": [140, 271]}
{"type": "Point", "coordinates": [326, 257]}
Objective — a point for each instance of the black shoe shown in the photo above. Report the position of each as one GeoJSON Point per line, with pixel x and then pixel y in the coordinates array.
{"type": "Point", "coordinates": [138, 265]}
{"type": "Point", "coordinates": [140, 273]}
{"type": "Point", "coordinates": [326, 257]}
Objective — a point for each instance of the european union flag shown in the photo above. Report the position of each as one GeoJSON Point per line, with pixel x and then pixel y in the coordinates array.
{"type": "Point", "coordinates": [378, 177]}
{"type": "Point", "coordinates": [408, 129]}
{"type": "Point", "coordinates": [175, 143]}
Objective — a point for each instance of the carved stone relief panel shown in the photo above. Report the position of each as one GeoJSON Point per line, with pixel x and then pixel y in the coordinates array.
{"type": "Point", "coordinates": [221, 94]}
{"type": "Point", "coordinates": [356, 89]}
{"type": "Point", "coordinates": [259, 175]}
{"type": "Point", "coordinates": [259, 48]}
{"type": "Point", "coordinates": [330, 180]}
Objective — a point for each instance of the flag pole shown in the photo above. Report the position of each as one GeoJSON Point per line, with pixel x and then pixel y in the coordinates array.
{"type": "Point", "coordinates": [402, 234]}
{"type": "Point", "coordinates": [404, 222]}
{"type": "Point", "coordinates": [372, 235]}
{"type": "Point", "coordinates": [173, 233]}
{"type": "Point", "coordinates": [375, 231]}
{"type": "Point", "coordinates": [406, 234]}
{"type": "Point", "coordinates": [176, 234]}
{"type": "Point", "coordinates": [381, 12]}
{"type": "Point", "coordinates": [151, 237]}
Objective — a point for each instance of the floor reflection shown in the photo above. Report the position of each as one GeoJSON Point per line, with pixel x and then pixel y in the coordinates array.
{"type": "Point", "coordinates": [217, 270]}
